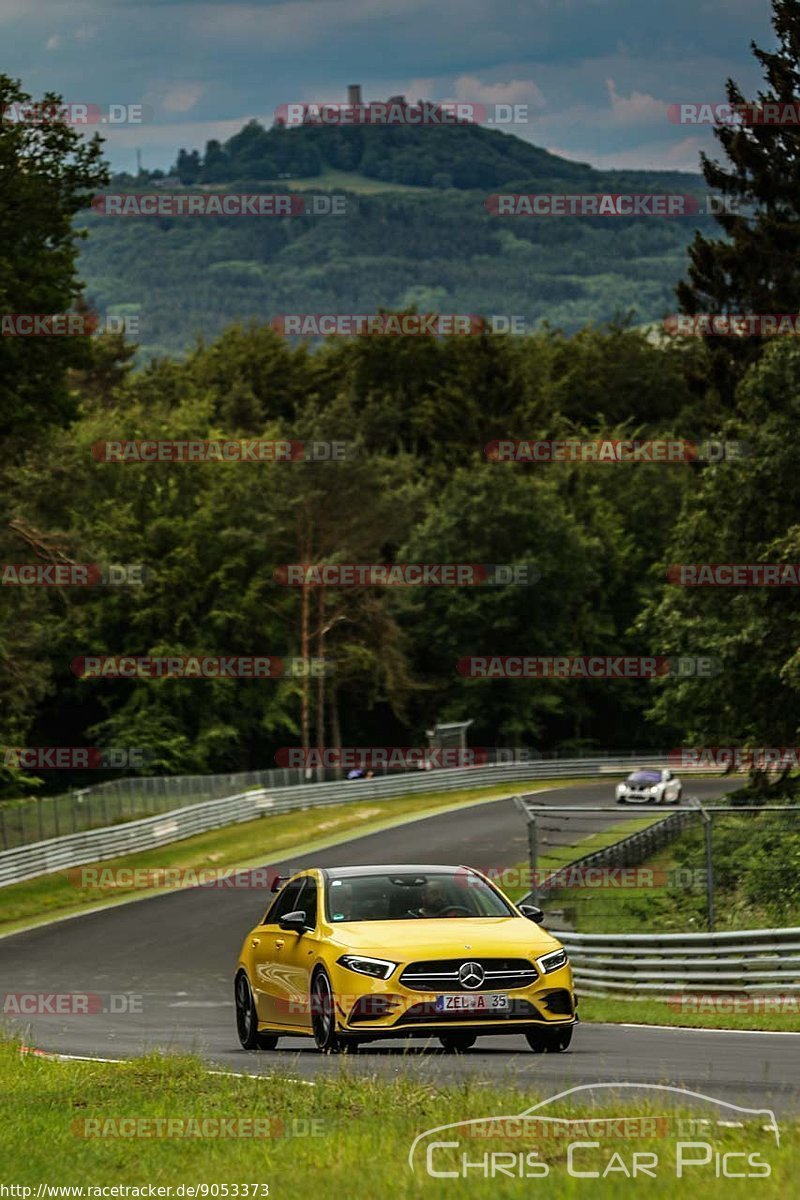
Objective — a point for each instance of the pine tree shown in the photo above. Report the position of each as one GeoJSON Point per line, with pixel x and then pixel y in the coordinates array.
{"type": "Point", "coordinates": [756, 268]}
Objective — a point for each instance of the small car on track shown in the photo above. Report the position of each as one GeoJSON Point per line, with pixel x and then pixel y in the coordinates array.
{"type": "Point", "coordinates": [650, 786]}
{"type": "Point", "coordinates": [350, 955]}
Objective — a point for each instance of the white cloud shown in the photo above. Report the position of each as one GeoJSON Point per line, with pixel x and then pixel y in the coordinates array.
{"type": "Point", "coordinates": [638, 108]}
{"type": "Point", "coordinates": [516, 91]}
{"type": "Point", "coordinates": [53, 42]}
{"type": "Point", "coordinates": [182, 98]}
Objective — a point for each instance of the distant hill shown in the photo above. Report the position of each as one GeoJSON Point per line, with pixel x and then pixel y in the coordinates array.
{"type": "Point", "coordinates": [417, 233]}
{"type": "Point", "coordinates": [459, 156]}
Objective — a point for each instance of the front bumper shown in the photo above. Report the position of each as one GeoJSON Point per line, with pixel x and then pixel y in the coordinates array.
{"type": "Point", "coordinates": [385, 1008]}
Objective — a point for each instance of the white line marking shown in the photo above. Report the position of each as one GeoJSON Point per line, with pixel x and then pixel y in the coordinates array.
{"type": "Point", "coordinates": [688, 1028]}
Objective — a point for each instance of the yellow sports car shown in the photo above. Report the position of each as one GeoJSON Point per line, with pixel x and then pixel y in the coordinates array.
{"type": "Point", "coordinates": [352, 954]}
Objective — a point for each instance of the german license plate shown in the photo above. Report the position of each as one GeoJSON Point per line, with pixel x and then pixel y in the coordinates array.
{"type": "Point", "coordinates": [491, 1002]}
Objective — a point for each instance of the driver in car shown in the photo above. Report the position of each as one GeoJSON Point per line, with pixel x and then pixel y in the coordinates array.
{"type": "Point", "coordinates": [434, 900]}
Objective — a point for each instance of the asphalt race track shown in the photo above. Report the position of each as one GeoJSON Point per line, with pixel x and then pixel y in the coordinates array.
{"type": "Point", "coordinates": [175, 955]}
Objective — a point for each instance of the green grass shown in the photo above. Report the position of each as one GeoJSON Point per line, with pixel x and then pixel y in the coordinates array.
{"type": "Point", "coordinates": [551, 858]}
{"type": "Point", "coordinates": [629, 909]}
{"type": "Point", "coordinates": [669, 1011]}
{"type": "Point", "coordinates": [253, 843]}
{"type": "Point", "coordinates": [346, 1135]}
{"type": "Point", "coordinates": [352, 181]}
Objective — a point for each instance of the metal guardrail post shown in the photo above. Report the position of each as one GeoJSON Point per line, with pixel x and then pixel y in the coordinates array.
{"type": "Point", "coordinates": [709, 865]}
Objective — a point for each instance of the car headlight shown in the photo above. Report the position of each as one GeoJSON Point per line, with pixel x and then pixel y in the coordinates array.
{"type": "Point", "coordinates": [552, 961]}
{"type": "Point", "coordinates": [378, 968]}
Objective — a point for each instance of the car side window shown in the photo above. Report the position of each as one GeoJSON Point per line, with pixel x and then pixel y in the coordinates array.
{"type": "Point", "coordinates": [286, 902]}
{"type": "Point", "coordinates": [308, 902]}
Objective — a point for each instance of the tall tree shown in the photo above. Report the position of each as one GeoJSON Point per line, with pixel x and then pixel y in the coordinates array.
{"type": "Point", "coordinates": [48, 173]}
{"type": "Point", "coordinates": [756, 267]}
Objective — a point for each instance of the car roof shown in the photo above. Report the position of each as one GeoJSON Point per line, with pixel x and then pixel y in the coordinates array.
{"type": "Point", "coordinates": [391, 869]}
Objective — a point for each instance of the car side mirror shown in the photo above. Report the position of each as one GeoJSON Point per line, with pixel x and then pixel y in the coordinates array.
{"type": "Point", "coordinates": [532, 913]}
{"type": "Point", "coordinates": [293, 920]}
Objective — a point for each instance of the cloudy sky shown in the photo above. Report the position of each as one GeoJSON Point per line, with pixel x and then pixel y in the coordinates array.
{"type": "Point", "coordinates": [597, 75]}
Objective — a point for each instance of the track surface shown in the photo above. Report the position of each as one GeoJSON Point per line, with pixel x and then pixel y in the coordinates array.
{"type": "Point", "coordinates": [175, 954]}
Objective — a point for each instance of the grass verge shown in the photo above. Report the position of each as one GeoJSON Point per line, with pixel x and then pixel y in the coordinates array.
{"type": "Point", "coordinates": [555, 857]}
{"type": "Point", "coordinates": [268, 839]}
{"type": "Point", "coordinates": [692, 1012]}
{"type": "Point", "coordinates": [355, 1134]}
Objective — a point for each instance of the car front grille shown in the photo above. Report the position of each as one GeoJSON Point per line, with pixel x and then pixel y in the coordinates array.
{"type": "Point", "coordinates": [441, 975]}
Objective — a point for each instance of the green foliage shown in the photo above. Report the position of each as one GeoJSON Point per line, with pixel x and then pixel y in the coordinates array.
{"type": "Point", "coordinates": [753, 267]}
{"type": "Point", "coordinates": [49, 173]}
{"type": "Point", "coordinates": [416, 413]}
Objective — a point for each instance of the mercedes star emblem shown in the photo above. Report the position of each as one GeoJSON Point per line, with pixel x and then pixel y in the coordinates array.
{"type": "Point", "coordinates": [471, 974]}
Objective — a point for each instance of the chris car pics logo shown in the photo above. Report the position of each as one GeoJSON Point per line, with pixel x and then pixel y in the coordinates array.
{"type": "Point", "coordinates": [595, 1146]}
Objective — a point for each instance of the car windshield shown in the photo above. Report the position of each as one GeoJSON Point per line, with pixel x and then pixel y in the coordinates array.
{"type": "Point", "coordinates": [412, 897]}
{"type": "Point", "coordinates": [645, 777]}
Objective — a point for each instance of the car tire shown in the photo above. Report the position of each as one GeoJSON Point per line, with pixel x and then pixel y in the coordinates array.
{"type": "Point", "coordinates": [457, 1043]}
{"type": "Point", "coordinates": [323, 1017]}
{"type": "Point", "coordinates": [549, 1041]}
{"type": "Point", "coordinates": [247, 1018]}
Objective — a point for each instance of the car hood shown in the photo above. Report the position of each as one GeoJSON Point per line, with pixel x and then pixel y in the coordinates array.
{"type": "Point", "coordinates": [448, 937]}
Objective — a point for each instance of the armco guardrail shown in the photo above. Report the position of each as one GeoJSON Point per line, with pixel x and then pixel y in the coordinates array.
{"type": "Point", "coordinates": [744, 962]}
{"type": "Point", "coordinates": [126, 799]}
{"type": "Point", "coordinates": [130, 797]}
{"type": "Point", "coordinates": [96, 845]}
